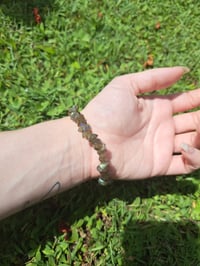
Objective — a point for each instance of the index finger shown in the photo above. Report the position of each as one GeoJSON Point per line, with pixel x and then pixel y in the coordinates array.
{"type": "Point", "coordinates": [185, 101]}
{"type": "Point", "coordinates": [186, 122]}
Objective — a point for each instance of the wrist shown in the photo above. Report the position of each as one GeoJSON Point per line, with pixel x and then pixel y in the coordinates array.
{"type": "Point", "coordinates": [76, 165]}
{"type": "Point", "coordinates": [96, 143]}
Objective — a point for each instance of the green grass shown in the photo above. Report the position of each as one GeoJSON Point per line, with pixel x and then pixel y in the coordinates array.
{"type": "Point", "coordinates": [44, 69]}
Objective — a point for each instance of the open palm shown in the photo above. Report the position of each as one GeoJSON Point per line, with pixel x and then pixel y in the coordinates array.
{"type": "Point", "coordinates": [141, 132]}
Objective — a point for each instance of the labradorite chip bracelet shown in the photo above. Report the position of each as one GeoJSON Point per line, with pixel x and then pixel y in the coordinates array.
{"type": "Point", "coordinates": [95, 142]}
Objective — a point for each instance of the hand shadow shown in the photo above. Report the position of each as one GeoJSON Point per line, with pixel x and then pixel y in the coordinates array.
{"type": "Point", "coordinates": [22, 10]}
{"type": "Point", "coordinates": [25, 231]}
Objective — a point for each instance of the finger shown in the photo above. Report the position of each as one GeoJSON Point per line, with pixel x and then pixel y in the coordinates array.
{"type": "Point", "coordinates": [191, 157]}
{"type": "Point", "coordinates": [189, 138]}
{"type": "Point", "coordinates": [182, 102]}
{"type": "Point", "coordinates": [177, 166]}
{"type": "Point", "coordinates": [185, 163]}
{"type": "Point", "coordinates": [186, 122]}
{"type": "Point", "coordinates": [150, 80]}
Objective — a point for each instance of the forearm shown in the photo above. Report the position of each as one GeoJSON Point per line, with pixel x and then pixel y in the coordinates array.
{"type": "Point", "coordinates": [40, 161]}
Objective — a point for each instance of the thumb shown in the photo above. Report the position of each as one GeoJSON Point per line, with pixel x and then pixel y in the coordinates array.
{"type": "Point", "coordinates": [150, 80]}
{"type": "Point", "coordinates": [191, 157]}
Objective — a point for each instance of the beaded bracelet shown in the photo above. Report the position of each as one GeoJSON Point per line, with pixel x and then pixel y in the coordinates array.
{"type": "Point", "coordinates": [95, 142]}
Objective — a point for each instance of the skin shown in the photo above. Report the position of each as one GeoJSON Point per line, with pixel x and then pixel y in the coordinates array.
{"type": "Point", "coordinates": [144, 135]}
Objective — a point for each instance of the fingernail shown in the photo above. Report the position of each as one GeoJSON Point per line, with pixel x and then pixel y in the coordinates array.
{"type": "Point", "coordinates": [187, 148]}
{"type": "Point", "coordinates": [185, 70]}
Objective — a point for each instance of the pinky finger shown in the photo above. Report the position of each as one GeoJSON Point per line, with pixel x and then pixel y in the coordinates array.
{"type": "Point", "coordinates": [187, 162]}
{"type": "Point", "coordinates": [191, 157]}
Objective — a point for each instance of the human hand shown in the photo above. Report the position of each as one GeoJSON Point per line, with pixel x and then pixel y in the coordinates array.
{"type": "Point", "coordinates": [144, 134]}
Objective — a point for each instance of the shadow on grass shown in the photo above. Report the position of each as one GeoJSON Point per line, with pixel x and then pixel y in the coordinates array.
{"type": "Point", "coordinates": [161, 243]}
{"type": "Point", "coordinates": [33, 227]}
{"type": "Point", "coordinates": [22, 10]}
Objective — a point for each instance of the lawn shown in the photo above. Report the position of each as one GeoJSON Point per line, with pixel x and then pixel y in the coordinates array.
{"type": "Point", "coordinates": [66, 59]}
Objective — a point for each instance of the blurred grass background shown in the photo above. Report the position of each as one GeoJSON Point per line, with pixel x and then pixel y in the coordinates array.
{"type": "Point", "coordinates": [67, 59]}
